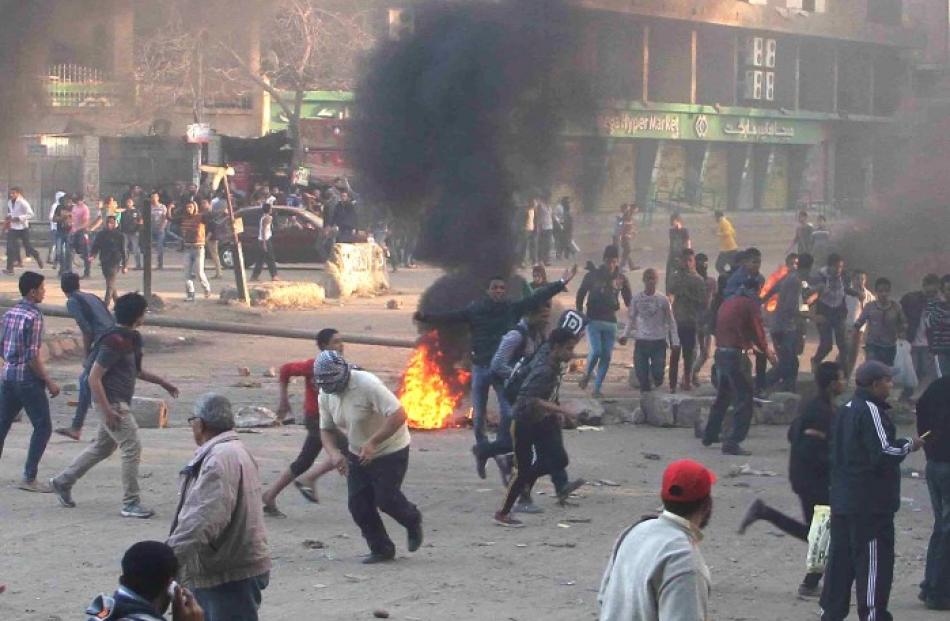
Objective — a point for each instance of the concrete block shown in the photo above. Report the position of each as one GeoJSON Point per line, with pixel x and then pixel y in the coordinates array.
{"type": "Point", "coordinates": [254, 416]}
{"type": "Point", "coordinates": [355, 269]}
{"type": "Point", "coordinates": [281, 294]}
{"type": "Point", "coordinates": [780, 408]}
{"type": "Point", "coordinates": [68, 346]}
{"type": "Point", "coordinates": [690, 409]}
{"type": "Point", "coordinates": [658, 410]}
{"type": "Point", "coordinates": [150, 413]}
{"type": "Point", "coordinates": [55, 349]}
{"type": "Point", "coordinates": [588, 411]}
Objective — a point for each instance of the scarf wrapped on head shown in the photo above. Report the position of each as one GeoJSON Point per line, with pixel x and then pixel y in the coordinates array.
{"type": "Point", "coordinates": [331, 372]}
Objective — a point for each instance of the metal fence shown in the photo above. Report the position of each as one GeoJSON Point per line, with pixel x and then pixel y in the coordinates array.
{"type": "Point", "coordinates": [79, 86]}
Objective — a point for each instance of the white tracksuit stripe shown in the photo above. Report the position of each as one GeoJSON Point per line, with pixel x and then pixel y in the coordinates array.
{"type": "Point", "coordinates": [886, 446]}
{"type": "Point", "coordinates": [872, 579]}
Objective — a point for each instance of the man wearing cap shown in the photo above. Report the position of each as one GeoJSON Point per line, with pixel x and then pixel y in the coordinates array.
{"type": "Point", "coordinates": [865, 494]}
{"type": "Point", "coordinates": [656, 571]}
{"type": "Point", "coordinates": [218, 532]}
{"type": "Point", "coordinates": [357, 403]}
{"type": "Point", "coordinates": [739, 329]}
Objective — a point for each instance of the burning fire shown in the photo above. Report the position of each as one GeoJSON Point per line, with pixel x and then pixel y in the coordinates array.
{"type": "Point", "coordinates": [430, 388]}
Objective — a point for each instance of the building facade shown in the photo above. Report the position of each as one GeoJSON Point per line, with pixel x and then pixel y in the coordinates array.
{"type": "Point", "coordinates": [750, 104]}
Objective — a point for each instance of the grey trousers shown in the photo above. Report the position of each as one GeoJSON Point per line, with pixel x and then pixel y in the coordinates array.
{"type": "Point", "coordinates": [126, 439]}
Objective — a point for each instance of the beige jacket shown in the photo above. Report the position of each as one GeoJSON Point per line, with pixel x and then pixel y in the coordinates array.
{"type": "Point", "coordinates": [218, 531]}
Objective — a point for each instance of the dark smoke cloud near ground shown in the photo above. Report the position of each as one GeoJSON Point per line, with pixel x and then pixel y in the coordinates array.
{"type": "Point", "coordinates": [451, 122]}
{"type": "Point", "coordinates": [906, 233]}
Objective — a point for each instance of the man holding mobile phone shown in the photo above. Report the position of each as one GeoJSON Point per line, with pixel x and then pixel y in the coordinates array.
{"type": "Point", "coordinates": [147, 588]}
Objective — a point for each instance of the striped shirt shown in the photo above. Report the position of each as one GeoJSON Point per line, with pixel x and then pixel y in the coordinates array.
{"type": "Point", "coordinates": [20, 337]}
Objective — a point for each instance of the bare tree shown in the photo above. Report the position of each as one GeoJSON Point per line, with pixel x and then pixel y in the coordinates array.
{"type": "Point", "coordinates": [313, 48]}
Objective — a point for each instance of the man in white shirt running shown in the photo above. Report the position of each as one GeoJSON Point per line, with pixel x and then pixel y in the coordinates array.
{"type": "Point", "coordinates": [19, 214]}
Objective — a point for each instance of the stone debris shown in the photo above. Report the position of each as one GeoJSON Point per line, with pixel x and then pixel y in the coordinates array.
{"type": "Point", "coordinates": [255, 416]}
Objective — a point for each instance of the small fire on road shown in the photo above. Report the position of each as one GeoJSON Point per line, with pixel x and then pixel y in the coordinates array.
{"type": "Point", "coordinates": [431, 389]}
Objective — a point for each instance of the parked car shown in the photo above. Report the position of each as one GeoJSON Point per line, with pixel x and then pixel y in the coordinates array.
{"type": "Point", "coordinates": [299, 237]}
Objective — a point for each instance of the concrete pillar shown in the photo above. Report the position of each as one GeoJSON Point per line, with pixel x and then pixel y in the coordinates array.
{"type": "Point", "coordinates": [90, 169]}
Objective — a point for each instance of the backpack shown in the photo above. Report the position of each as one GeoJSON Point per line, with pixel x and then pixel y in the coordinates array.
{"type": "Point", "coordinates": [521, 368]}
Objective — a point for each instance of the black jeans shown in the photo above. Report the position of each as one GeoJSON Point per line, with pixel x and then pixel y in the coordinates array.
{"type": "Point", "coordinates": [687, 348]}
{"type": "Point", "coordinates": [265, 254]}
{"type": "Point", "coordinates": [14, 239]}
{"type": "Point", "coordinates": [785, 373]}
{"type": "Point", "coordinates": [734, 385]}
{"type": "Point", "coordinates": [312, 445]}
{"type": "Point", "coordinates": [936, 583]}
{"type": "Point", "coordinates": [375, 487]}
{"type": "Point", "coordinates": [649, 363]}
{"type": "Point", "coordinates": [110, 273]}
{"type": "Point", "coordinates": [539, 450]}
{"type": "Point", "coordinates": [862, 553]}
{"type": "Point", "coordinates": [831, 326]}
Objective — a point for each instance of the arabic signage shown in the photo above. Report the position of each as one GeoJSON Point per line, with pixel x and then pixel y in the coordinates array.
{"type": "Point", "coordinates": [712, 127]}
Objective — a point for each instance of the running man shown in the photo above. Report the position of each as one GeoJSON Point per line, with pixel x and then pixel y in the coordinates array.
{"type": "Point", "coordinates": [296, 473]}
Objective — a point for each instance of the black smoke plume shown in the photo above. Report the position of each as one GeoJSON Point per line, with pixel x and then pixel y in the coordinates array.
{"type": "Point", "coordinates": [463, 115]}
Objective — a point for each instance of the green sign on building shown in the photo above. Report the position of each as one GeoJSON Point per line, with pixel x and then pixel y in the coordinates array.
{"type": "Point", "coordinates": [713, 127]}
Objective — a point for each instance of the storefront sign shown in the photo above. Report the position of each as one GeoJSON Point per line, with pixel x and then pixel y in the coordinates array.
{"type": "Point", "coordinates": [712, 127]}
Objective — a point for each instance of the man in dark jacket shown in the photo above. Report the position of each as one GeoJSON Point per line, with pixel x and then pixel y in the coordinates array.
{"type": "Point", "coordinates": [110, 246]}
{"type": "Point", "coordinates": [915, 307]}
{"type": "Point", "coordinates": [933, 418]}
{"type": "Point", "coordinates": [147, 588]}
{"type": "Point", "coordinates": [488, 320]}
{"type": "Point", "coordinates": [865, 494]}
{"type": "Point", "coordinates": [602, 288]}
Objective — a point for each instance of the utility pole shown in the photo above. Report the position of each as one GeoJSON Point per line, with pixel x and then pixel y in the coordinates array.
{"type": "Point", "coordinates": [221, 173]}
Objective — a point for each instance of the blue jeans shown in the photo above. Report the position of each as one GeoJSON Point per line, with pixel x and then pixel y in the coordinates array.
{"type": "Point", "coordinates": [936, 583]}
{"type": "Point", "coordinates": [29, 395]}
{"type": "Point", "coordinates": [158, 238]}
{"type": "Point", "coordinates": [482, 380]}
{"type": "Point", "coordinates": [735, 384]}
{"type": "Point", "coordinates": [85, 400]}
{"type": "Point", "coordinates": [785, 373]}
{"type": "Point", "coordinates": [649, 363]}
{"type": "Point", "coordinates": [233, 601]}
{"type": "Point", "coordinates": [601, 335]}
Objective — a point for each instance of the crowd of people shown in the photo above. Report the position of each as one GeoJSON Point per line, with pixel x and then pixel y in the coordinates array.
{"type": "Point", "coordinates": [845, 455]}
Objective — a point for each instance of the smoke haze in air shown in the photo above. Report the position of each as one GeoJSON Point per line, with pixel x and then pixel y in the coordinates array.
{"type": "Point", "coordinates": [456, 119]}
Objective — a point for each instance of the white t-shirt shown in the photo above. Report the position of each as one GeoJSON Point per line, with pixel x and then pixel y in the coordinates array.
{"type": "Point", "coordinates": [361, 410]}
{"type": "Point", "coordinates": [266, 228]}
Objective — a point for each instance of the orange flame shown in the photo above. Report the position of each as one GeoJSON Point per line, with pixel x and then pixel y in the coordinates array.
{"type": "Point", "coordinates": [430, 389]}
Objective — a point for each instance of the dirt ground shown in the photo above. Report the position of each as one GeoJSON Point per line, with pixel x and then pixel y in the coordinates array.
{"type": "Point", "coordinates": [54, 560]}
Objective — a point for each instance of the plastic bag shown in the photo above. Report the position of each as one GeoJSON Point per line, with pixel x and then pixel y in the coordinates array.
{"type": "Point", "coordinates": [904, 363]}
{"type": "Point", "coordinates": [819, 540]}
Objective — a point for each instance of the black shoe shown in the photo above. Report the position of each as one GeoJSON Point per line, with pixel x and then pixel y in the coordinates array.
{"type": "Point", "coordinates": [572, 486]}
{"type": "Point", "coordinates": [710, 441]}
{"type": "Point", "coordinates": [734, 449]}
{"type": "Point", "coordinates": [415, 536]}
{"type": "Point", "coordinates": [932, 603]}
{"type": "Point", "coordinates": [378, 557]}
{"type": "Point", "coordinates": [809, 591]}
{"type": "Point", "coordinates": [753, 513]}
{"type": "Point", "coordinates": [479, 462]}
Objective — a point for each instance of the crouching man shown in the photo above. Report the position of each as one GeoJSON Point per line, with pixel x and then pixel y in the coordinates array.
{"type": "Point", "coordinates": [218, 532]}
{"type": "Point", "coordinates": [358, 403]}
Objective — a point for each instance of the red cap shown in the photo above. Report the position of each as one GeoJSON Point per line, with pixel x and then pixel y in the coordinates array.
{"type": "Point", "coordinates": [686, 480]}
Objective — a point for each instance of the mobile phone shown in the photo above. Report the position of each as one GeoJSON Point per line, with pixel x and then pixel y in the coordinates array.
{"type": "Point", "coordinates": [172, 589]}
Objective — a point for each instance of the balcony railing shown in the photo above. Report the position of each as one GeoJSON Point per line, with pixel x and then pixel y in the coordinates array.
{"type": "Point", "coordinates": [78, 86]}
